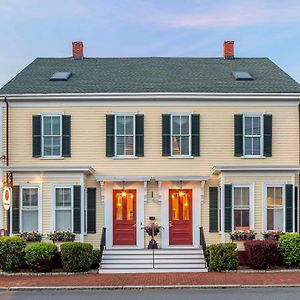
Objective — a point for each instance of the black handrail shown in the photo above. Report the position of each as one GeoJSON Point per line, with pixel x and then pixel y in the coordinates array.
{"type": "Point", "coordinates": [202, 242]}
{"type": "Point", "coordinates": [102, 243]}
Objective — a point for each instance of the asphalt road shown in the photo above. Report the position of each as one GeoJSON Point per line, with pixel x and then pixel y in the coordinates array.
{"type": "Point", "coordinates": [162, 294]}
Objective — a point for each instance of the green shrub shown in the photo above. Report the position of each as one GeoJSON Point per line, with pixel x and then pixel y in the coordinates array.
{"type": "Point", "coordinates": [12, 251]}
{"type": "Point", "coordinates": [290, 248]}
{"type": "Point", "coordinates": [76, 257]}
{"type": "Point", "coordinates": [40, 257]}
{"type": "Point", "coordinates": [96, 259]}
{"type": "Point", "coordinates": [222, 257]}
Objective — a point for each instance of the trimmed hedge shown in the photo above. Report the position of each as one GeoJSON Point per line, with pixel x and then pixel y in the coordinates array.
{"type": "Point", "coordinates": [96, 259]}
{"type": "Point", "coordinates": [222, 257]}
{"type": "Point", "coordinates": [12, 250]}
{"type": "Point", "coordinates": [76, 257]}
{"type": "Point", "coordinates": [40, 257]}
{"type": "Point", "coordinates": [262, 254]}
{"type": "Point", "coordinates": [290, 248]}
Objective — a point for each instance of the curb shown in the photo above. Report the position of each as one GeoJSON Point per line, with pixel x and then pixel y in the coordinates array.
{"type": "Point", "coordinates": [143, 287]}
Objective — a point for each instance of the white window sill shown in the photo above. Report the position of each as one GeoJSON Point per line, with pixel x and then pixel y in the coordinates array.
{"type": "Point", "coordinates": [125, 157]}
{"type": "Point", "coordinates": [253, 157]}
{"type": "Point", "coordinates": [181, 157]}
{"type": "Point", "coordinates": [51, 158]}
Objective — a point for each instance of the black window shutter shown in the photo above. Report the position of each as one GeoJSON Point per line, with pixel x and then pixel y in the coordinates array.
{"type": "Point", "coordinates": [289, 207]}
{"type": "Point", "coordinates": [213, 209]}
{"type": "Point", "coordinates": [36, 136]}
{"type": "Point", "coordinates": [16, 209]}
{"type": "Point", "coordinates": [139, 135]}
{"type": "Point", "coordinates": [238, 135]}
{"type": "Point", "coordinates": [110, 135]}
{"type": "Point", "coordinates": [228, 207]}
{"type": "Point", "coordinates": [296, 209]}
{"type": "Point", "coordinates": [66, 136]}
{"type": "Point", "coordinates": [195, 135]}
{"type": "Point", "coordinates": [77, 208]}
{"type": "Point", "coordinates": [166, 135]}
{"type": "Point", "coordinates": [268, 135]}
{"type": "Point", "coordinates": [91, 210]}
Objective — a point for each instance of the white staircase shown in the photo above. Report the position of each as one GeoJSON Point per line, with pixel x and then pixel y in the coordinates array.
{"type": "Point", "coordinates": [141, 260]}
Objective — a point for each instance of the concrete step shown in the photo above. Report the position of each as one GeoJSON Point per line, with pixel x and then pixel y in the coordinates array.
{"type": "Point", "coordinates": [157, 261]}
{"type": "Point", "coordinates": [156, 266]}
{"type": "Point", "coordinates": [129, 271]}
{"type": "Point", "coordinates": [157, 256]}
{"type": "Point", "coordinates": [157, 251]}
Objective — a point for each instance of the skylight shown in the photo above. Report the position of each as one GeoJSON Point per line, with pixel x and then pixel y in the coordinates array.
{"type": "Point", "coordinates": [242, 76]}
{"type": "Point", "coordinates": [60, 76]}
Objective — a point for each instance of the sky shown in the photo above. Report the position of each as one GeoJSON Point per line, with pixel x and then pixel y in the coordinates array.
{"type": "Point", "coordinates": [120, 28]}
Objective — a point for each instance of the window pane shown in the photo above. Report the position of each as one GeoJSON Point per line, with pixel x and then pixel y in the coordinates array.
{"type": "Point", "coordinates": [29, 220]}
{"type": "Point", "coordinates": [56, 125]}
{"type": "Point", "coordinates": [185, 207]}
{"type": "Point", "coordinates": [176, 124]}
{"type": "Point", "coordinates": [129, 145]}
{"type": "Point", "coordinates": [119, 207]}
{"type": "Point", "coordinates": [185, 125]}
{"type": "Point", "coordinates": [175, 207]}
{"type": "Point", "coordinates": [47, 146]}
{"type": "Point", "coordinates": [185, 145]}
{"type": "Point", "coordinates": [241, 218]}
{"type": "Point", "coordinates": [56, 146]}
{"type": "Point", "coordinates": [120, 125]}
{"type": "Point", "coordinates": [176, 145]}
{"type": "Point", "coordinates": [67, 197]}
{"type": "Point", "coordinates": [275, 219]}
{"type": "Point", "coordinates": [274, 197]}
{"type": "Point", "coordinates": [120, 145]}
{"type": "Point", "coordinates": [129, 125]}
{"type": "Point", "coordinates": [63, 220]}
{"type": "Point", "coordinates": [245, 198]}
{"type": "Point", "coordinates": [256, 146]}
{"type": "Point", "coordinates": [59, 197]}
{"type": "Point", "coordinates": [256, 125]}
{"type": "Point", "coordinates": [278, 197]}
{"type": "Point", "coordinates": [248, 146]}
{"type": "Point", "coordinates": [248, 125]}
{"type": "Point", "coordinates": [47, 125]}
{"type": "Point", "coordinates": [26, 197]}
{"type": "Point", "coordinates": [129, 206]}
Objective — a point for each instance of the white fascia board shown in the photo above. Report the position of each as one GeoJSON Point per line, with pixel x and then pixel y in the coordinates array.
{"type": "Point", "coordinates": [181, 178]}
{"type": "Point", "coordinates": [83, 169]}
{"type": "Point", "coordinates": [152, 96]}
{"type": "Point", "coordinates": [219, 169]}
{"type": "Point", "coordinates": [123, 178]}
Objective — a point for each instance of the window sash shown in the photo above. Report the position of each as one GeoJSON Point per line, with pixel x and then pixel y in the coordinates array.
{"type": "Point", "coordinates": [240, 208]}
{"type": "Point", "coordinates": [275, 214]}
{"type": "Point", "coordinates": [124, 136]}
{"type": "Point", "coordinates": [252, 136]}
{"type": "Point", "coordinates": [180, 136]}
{"type": "Point", "coordinates": [51, 136]}
{"type": "Point", "coordinates": [63, 209]}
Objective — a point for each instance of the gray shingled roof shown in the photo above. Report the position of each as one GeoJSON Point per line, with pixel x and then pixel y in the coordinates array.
{"type": "Point", "coordinates": [126, 75]}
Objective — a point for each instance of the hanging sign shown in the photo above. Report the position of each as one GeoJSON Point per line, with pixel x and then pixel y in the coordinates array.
{"type": "Point", "coordinates": [6, 198]}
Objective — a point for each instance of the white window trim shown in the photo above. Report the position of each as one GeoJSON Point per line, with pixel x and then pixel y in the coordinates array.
{"type": "Point", "coordinates": [54, 187]}
{"type": "Point", "coordinates": [256, 114]}
{"type": "Point", "coordinates": [265, 204]}
{"type": "Point", "coordinates": [42, 136]}
{"type": "Point", "coordinates": [115, 137]}
{"type": "Point", "coordinates": [251, 204]}
{"type": "Point", "coordinates": [85, 211]}
{"type": "Point", "coordinates": [183, 114]}
{"type": "Point", "coordinates": [40, 213]}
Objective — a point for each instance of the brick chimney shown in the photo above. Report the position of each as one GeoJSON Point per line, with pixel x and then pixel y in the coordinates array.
{"type": "Point", "coordinates": [77, 50]}
{"type": "Point", "coordinates": [228, 47]}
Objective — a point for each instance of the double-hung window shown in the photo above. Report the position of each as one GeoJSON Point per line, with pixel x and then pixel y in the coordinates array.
{"type": "Point", "coordinates": [125, 135]}
{"type": "Point", "coordinates": [181, 135]}
{"type": "Point", "coordinates": [51, 135]}
{"type": "Point", "coordinates": [63, 209]}
{"type": "Point", "coordinates": [29, 209]}
{"type": "Point", "coordinates": [275, 208]}
{"type": "Point", "coordinates": [253, 135]}
{"type": "Point", "coordinates": [241, 207]}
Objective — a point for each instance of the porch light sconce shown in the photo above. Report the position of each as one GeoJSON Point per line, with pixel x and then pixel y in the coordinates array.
{"type": "Point", "coordinates": [152, 196]}
{"type": "Point", "coordinates": [180, 184]}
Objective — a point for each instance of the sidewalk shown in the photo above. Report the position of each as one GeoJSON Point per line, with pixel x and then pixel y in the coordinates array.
{"type": "Point", "coordinates": [151, 279]}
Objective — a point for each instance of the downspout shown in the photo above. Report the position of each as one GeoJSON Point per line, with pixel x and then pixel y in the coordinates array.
{"type": "Point", "coordinates": [298, 190]}
{"type": "Point", "coordinates": [6, 157]}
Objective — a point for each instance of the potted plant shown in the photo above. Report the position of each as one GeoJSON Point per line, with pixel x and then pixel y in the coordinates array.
{"type": "Point", "coordinates": [242, 235]}
{"type": "Point", "coordinates": [152, 230]}
{"type": "Point", "coordinates": [272, 235]}
{"type": "Point", "coordinates": [31, 236]}
{"type": "Point", "coordinates": [61, 236]}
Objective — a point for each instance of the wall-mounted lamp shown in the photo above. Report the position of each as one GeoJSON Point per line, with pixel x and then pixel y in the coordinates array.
{"type": "Point", "coordinates": [152, 196]}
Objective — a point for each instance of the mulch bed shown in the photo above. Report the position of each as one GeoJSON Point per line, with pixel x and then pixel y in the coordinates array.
{"type": "Point", "coordinates": [150, 279]}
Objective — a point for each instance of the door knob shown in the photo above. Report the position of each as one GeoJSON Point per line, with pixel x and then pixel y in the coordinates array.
{"type": "Point", "coordinates": [170, 224]}
{"type": "Point", "coordinates": [134, 225]}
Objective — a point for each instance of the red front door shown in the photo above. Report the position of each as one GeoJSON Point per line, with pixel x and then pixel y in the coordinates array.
{"type": "Point", "coordinates": [124, 214]}
{"type": "Point", "coordinates": [180, 217]}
